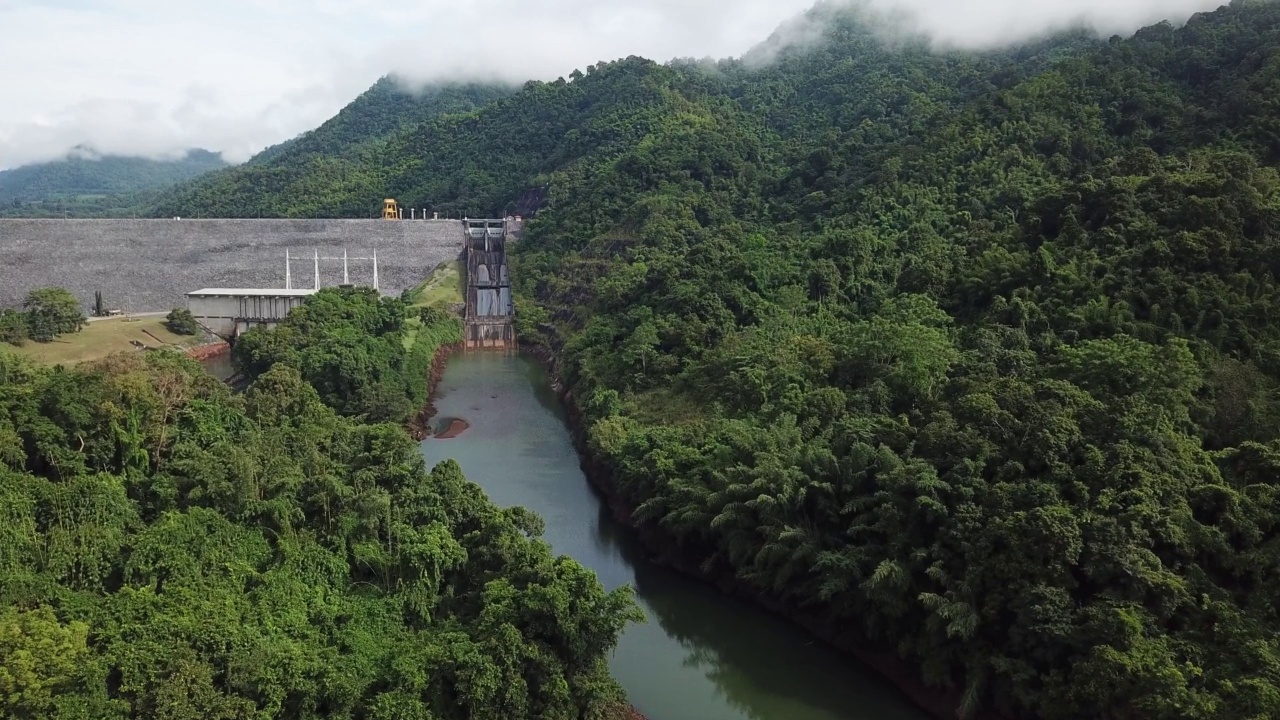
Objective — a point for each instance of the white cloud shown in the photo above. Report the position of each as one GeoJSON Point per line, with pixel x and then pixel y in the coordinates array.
{"type": "Point", "coordinates": [986, 23]}
{"type": "Point", "coordinates": [153, 77]}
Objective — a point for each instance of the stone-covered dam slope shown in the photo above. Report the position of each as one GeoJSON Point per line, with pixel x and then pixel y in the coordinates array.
{"type": "Point", "coordinates": [149, 265]}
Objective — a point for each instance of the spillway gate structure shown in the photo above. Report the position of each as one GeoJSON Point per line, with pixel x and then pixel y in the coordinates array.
{"type": "Point", "coordinates": [488, 319]}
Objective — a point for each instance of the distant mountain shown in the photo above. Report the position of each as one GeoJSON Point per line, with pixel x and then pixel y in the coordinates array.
{"type": "Point", "coordinates": [301, 177]}
{"type": "Point", "coordinates": [83, 173]}
{"type": "Point", "coordinates": [85, 184]}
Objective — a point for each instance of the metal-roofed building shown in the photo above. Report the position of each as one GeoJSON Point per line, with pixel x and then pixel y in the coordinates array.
{"type": "Point", "coordinates": [231, 311]}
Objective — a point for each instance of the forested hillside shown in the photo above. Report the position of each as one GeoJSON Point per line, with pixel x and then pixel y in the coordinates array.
{"type": "Point", "coordinates": [322, 173]}
{"type": "Point", "coordinates": [171, 550]}
{"type": "Point", "coordinates": [970, 357]}
{"type": "Point", "coordinates": [84, 185]}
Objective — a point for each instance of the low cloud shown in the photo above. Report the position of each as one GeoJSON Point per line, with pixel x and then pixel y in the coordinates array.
{"type": "Point", "coordinates": [154, 78]}
{"type": "Point", "coordinates": [978, 24]}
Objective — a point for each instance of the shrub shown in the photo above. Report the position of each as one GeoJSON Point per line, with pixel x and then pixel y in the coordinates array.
{"type": "Point", "coordinates": [434, 314]}
{"type": "Point", "coordinates": [182, 322]}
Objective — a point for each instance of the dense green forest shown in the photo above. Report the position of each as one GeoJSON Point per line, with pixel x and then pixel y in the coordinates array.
{"type": "Point", "coordinates": [171, 550]}
{"type": "Point", "coordinates": [970, 356]}
{"type": "Point", "coordinates": [365, 355]}
{"type": "Point", "coordinates": [301, 177]}
{"type": "Point", "coordinates": [84, 185]}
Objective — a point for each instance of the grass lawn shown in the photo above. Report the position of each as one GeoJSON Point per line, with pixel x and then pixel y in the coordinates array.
{"type": "Point", "coordinates": [102, 338]}
{"type": "Point", "coordinates": [446, 284]}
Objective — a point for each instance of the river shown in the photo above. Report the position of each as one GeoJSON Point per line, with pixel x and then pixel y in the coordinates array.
{"type": "Point", "coordinates": [219, 366]}
{"type": "Point", "coordinates": [701, 655]}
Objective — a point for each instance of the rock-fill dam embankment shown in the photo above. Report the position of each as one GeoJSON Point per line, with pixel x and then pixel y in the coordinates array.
{"type": "Point", "coordinates": [149, 265]}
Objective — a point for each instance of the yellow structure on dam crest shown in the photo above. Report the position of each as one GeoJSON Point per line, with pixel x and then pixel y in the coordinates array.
{"type": "Point", "coordinates": [390, 210]}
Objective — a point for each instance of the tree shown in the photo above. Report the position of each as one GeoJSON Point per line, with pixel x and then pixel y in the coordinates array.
{"type": "Point", "coordinates": [40, 658]}
{"type": "Point", "coordinates": [182, 322]}
{"type": "Point", "coordinates": [99, 310]}
{"type": "Point", "coordinates": [13, 327]}
{"type": "Point", "coordinates": [356, 349]}
{"type": "Point", "coordinates": [52, 312]}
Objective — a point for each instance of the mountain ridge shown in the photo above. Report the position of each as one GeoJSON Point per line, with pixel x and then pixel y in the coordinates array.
{"type": "Point", "coordinates": [336, 154]}
{"type": "Point", "coordinates": [87, 182]}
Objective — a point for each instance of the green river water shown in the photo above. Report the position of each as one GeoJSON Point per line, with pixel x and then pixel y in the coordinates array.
{"type": "Point", "coordinates": [701, 655]}
{"type": "Point", "coordinates": [219, 366]}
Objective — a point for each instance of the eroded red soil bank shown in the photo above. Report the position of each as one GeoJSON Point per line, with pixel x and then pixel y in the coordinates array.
{"type": "Point", "coordinates": [209, 350]}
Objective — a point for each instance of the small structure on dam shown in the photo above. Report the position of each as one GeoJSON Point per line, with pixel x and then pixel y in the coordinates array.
{"type": "Point", "coordinates": [391, 210]}
{"type": "Point", "coordinates": [487, 323]}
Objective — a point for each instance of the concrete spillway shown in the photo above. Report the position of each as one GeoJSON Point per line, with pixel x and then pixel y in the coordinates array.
{"type": "Point", "coordinates": [488, 321]}
{"type": "Point", "coordinates": [148, 265]}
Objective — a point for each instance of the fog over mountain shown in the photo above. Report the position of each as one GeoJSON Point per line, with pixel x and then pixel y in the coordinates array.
{"type": "Point", "coordinates": [143, 77]}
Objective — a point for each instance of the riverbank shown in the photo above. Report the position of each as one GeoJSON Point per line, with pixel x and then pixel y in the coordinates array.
{"type": "Point", "coordinates": [210, 350]}
{"type": "Point", "coordinates": [661, 550]}
{"type": "Point", "coordinates": [420, 424]}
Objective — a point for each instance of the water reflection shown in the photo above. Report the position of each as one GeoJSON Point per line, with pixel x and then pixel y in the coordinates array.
{"type": "Point", "coordinates": [766, 673]}
{"type": "Point", "coordinates": [219, 366]}
{"type": "Point", "coordinates": [701, 654]}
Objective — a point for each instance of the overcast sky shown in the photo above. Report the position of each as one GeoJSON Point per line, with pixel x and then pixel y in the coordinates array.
{"type": "Point", "coordinates": [155, 76]}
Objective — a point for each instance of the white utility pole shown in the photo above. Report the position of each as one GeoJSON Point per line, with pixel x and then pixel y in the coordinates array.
{"type": "Point", "coordinates": [288, 279]}
{"type": "Point", "coordinates": [346, 257]}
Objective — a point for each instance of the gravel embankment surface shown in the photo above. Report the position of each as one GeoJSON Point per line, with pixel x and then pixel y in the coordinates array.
{"type": "Point", "coordinates": [149, 265]}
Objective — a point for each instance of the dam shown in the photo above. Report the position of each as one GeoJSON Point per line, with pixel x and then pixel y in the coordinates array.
{"type": "Point", "coordinates": [150, 265]}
